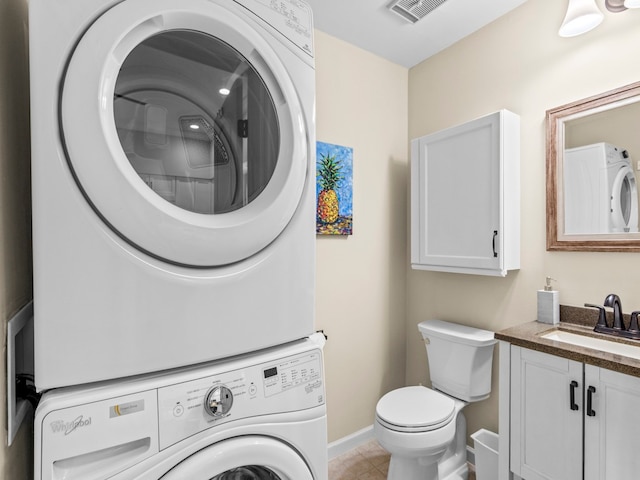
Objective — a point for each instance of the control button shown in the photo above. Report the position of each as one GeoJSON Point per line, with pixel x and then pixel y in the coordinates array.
{"type": "Point", "coordinates": [253, 390]}
{"type": "Point", "coordinates": [178, 410]}
{"type": "Point", "coordinates": [218, 401]}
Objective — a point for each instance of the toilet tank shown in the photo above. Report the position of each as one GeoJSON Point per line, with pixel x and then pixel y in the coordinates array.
{"type": "Point", "coordinates": [460, 359]}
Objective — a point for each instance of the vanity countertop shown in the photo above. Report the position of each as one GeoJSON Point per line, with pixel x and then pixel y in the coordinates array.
{"type": "Point", "coordinates": [528, 335]}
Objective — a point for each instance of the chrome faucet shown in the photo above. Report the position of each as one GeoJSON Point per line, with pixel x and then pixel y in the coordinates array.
{"type": "Point", "coordinates": [614, 302]}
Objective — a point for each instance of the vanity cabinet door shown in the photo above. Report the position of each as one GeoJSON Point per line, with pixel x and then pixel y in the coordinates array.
{"type": "Point", "coordinates": [612, 425]}
{"type": "Point", "coordinates": [465, 197]}
{"type": "Point", "coordinates": [546, 416]}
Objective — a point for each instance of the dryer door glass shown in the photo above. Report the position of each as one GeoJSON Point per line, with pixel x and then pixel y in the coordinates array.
{"type": "Point", "coordinates": [176, 168]}
{"type": "Point", "coordinates": [196, 121]}
{"type": "Point", "coordinates": [625, 200]}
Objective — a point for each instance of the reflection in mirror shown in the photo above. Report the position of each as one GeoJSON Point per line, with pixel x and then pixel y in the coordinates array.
{"type": "Point", "coordinates": [593, 151]}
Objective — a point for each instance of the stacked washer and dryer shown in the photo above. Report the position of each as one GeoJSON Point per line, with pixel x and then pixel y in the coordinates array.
{"type": "Point", "coordinates": [173, 225]}
{"type": "Point", "coordinates": [600, 190]}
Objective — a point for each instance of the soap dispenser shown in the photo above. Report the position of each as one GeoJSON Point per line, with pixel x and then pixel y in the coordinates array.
{"type": "Point", "coordinates": [548, 304]}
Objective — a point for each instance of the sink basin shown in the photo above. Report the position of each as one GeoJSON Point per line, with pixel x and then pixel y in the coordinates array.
{"type": "Point", "coordinates": [594, 343]}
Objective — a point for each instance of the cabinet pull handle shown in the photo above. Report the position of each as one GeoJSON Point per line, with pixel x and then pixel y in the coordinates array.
{"type": "Point", "coordinates": [572, 395]}
{"type": "Point", "coordinates": [590, 411]}
{"type": "Point", "coordinates": [495, 234]}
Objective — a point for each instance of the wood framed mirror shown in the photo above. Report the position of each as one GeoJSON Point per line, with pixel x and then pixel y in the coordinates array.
{"type": "Point", "coordinates": [592, 173]}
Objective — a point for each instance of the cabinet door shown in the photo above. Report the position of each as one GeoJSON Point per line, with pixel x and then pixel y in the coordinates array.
{"type": "Point", "coordinates": [465, 197]}
{"type": "Point", "coordinates": [612, 425]}
{"type": "Point", "coordinates": [546, 422]}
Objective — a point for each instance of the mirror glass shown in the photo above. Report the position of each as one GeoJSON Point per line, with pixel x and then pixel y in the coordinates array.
{"type": "Point", "coordinates": [593, 155]}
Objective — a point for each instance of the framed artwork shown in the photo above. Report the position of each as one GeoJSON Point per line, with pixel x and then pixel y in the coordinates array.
{"type": "Point", "coordinates": [334, 189]}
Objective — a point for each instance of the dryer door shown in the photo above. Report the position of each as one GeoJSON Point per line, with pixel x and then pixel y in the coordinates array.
{"type": "Point", "coordinates": [624, 202]}
{"type": "Point", "coordinates": [183, 130]}
{"type": "Point", "coordinates": [250, 457]}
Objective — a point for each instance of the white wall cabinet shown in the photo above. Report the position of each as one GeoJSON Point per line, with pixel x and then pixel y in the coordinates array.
{"type": "Point", "coordinates": [572, 421]}
{"type": "Point", "coordinates": [465, 197]}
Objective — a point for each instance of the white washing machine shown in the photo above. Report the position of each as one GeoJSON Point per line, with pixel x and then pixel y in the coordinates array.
{"type": "Point", "coordinates": [600, 190]}
{"type": "Point", "coordinates": [173, 146]}
{"type": "Point", "coordinates": [262, 416]}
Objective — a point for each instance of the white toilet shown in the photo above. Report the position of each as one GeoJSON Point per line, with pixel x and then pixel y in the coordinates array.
{"type": "Point", "coordinates": [424, 429]}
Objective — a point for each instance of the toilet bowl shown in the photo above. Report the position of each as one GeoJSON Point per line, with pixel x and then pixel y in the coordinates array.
{"type": "Point", "coordinates": [424, 429]}
{"type": "Point", "coordinates": [417, 437]}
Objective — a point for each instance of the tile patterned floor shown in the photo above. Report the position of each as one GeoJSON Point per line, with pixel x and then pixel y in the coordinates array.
{"type": "Point", "coordinates": [367, 462]}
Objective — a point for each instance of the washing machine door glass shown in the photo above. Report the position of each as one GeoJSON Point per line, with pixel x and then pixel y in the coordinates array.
{"type": "Point", "coordinates": [249, 472]}
{"type": "Point", "coordinates": [243, 458]}
{"type": "Point", "coordinates": [183, 130]}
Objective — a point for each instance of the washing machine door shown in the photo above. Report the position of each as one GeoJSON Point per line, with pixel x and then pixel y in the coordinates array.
{"type": "Point", "coordinates": [624, 202]}
{"type": "Point", "coordinates": [243, 458]}
{"type": "Point", "coordinates": [183, 130]}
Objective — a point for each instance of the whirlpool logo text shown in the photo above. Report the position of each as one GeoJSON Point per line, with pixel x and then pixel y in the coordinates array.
{"type": "Point", "coordinates": [60, 426]}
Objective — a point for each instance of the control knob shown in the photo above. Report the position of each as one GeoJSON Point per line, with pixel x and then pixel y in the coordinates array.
{"type": "Point", "coordinates": [218, 401]}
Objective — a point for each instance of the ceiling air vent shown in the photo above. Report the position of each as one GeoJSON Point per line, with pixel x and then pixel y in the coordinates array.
{"type": "Point", "coordinates": [414, 10]}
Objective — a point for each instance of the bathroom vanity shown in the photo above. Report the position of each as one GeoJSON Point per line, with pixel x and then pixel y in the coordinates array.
{"type": "Point", "coordinates": [568, 412]}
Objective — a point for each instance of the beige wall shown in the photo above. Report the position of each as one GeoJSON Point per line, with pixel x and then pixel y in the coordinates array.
{"type": "Point", "coordinates": [518, 62]}
{"type": "Point", "coordinates": [362, 103]}
{"type": "Point", "coordinates": [15, 207]}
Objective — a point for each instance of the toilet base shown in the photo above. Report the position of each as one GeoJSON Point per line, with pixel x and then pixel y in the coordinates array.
{"type": "Point", "coordinates": [461, 474]}
{"type": "Point", "coordinates": [411, 469]}
{"type": "Point", "coordinates": [451, 466]}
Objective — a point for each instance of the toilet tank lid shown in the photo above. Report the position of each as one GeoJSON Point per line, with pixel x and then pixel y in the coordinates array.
{"type": "Point", "coordinates": [457, 333]}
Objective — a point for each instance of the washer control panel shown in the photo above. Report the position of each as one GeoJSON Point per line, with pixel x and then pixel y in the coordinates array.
{"type": "Point", "coordinates": [291, 374]}
{"type": "Point", "coordinates": [284, 385]}
{"type": "Point", "coordinates": [292, 18]}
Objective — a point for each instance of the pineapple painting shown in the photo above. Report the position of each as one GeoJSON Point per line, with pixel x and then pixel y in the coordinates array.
{"type": "Point", "coordinates": [334, 189]}
{"type": "Point", "coordinates": [328, 176]}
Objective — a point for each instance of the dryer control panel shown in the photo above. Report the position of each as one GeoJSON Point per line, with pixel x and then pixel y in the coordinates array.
{"type": "Point", "coordinates": [292, 18]}
{"type": "Point", "coordinates": [285, 385]}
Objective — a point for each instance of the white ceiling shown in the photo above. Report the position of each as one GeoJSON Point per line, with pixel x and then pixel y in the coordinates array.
{"type": "Point", "coordinates": [370, 25]}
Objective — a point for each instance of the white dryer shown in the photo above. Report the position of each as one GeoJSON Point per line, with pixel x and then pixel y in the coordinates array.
{"type": "Point", "coordinates": [600, 190]}
{"type": "Point", "coordinates": [259, 417]}
{"type": "Point", "coordinates": [173, 146]}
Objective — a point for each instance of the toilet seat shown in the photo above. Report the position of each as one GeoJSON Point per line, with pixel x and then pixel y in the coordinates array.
{"type": "Point", "coordinates": [415, 409]}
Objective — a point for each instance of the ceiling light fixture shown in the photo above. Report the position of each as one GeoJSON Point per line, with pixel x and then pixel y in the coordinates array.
{"type": "Point", "coordinates": [582, 16]}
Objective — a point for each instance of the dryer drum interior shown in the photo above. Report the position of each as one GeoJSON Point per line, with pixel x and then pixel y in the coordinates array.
{"type": "Point", "coordinates": [196, 122]}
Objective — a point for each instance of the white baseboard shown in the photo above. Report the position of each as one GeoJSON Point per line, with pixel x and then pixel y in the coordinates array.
{"type": "Point", "coordinates": [348, 443]}
{"type": "Point", "coordinates": [345, 444]}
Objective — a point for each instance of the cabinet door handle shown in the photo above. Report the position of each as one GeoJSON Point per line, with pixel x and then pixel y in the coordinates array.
{"type": "Point", "coordinates": [590, 411]}
{"type": "Point", "coordinates": [572, 395]}
{"type": "Point", "coordinates": [495, 235]}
